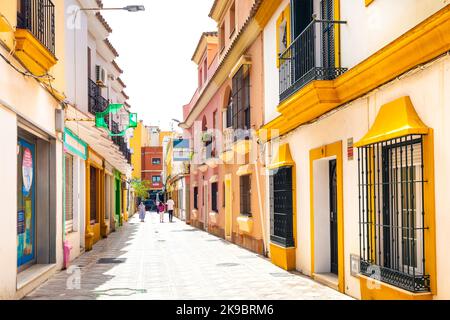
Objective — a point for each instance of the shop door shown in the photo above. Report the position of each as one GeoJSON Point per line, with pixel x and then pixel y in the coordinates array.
{"type": "Point", "coordinates": [26, 215]}
{"type": "Point", "coordinates": [333, 218]}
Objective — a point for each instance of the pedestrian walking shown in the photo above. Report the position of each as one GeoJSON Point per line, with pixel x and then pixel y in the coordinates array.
{"type": "Point", "coordinates": [142, 211]}
{"type": "Point", "coordinates": [170, 208]}
{"type": "Point", "coordinates": [160, 209]}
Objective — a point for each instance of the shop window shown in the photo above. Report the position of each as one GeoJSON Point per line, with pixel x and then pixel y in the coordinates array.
{"type": "Point", "coordinates": [214, 196]}
{"type": "Point", "coordinates": [156, 179]}
{"type": "Point", "coordinates": [245, 195]}
{"type": "Point", "coordinates": [281, 208]}
{"type": "Point", "coordinates": [392, 230]}
{"type": "Point", "coordinates": [26, 204]}
{"type": "Point", "coordinates": [156, 161]}
{"type": "Point", "coordinates": [69, 192]}
{"type": "Point", "coordinates": [196, 198]}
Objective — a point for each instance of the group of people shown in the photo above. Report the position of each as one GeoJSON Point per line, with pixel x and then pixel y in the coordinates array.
{"type": "Point", "coordinates": [161, 208]}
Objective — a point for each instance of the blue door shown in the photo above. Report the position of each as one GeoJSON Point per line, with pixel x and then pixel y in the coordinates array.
{"type": "Point", "coordinates": [26, 217]}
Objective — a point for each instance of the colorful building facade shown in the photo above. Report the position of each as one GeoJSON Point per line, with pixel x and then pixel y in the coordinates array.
{"type": "Point", "coordinates": [353, 138]}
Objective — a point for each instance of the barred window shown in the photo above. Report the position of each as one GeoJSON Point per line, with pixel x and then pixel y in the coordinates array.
{"type": "Point", "coordinates": [281, 209]}
{"type": "Point", "coordinates": [391, 201]}
{"type": "Point", "coordinates": [245, 195]}
{"type": "Point", "coordinates": [214, 195]}
{"type": "Point", "coordinates": [195, 197]}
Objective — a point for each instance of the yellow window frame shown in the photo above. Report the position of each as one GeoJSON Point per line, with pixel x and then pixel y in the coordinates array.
{"type": "Point", "coordinates": [284, 16]}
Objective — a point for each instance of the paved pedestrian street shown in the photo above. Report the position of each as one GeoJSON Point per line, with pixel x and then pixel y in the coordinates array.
{"type": "Point", "coordinates": [175, 261]}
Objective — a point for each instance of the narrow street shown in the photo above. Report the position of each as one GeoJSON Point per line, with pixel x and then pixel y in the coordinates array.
{"type": "Point", "coordinates": [175, 261]}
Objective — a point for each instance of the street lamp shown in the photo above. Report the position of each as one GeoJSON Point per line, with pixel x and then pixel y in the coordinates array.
{"type": "Point", "coordinates": [132, 8]}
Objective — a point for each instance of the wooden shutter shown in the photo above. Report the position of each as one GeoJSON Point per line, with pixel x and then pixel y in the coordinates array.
{"type": "Point", "coordinates": [69, 193]}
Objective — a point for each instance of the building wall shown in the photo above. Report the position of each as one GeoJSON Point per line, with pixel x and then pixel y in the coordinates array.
{"type": "Point", "coordinates": [426, 90]}
{"type": "Point", "coordinates": [136, 157]}
{"type": "Point", "coordinates": [148, 169]}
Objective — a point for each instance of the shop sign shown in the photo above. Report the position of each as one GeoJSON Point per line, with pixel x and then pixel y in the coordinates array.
{"type": "Point", "coordinates": [350, 149]}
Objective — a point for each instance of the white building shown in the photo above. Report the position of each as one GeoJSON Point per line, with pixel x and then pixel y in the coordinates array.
{"type": "Point", "coordinates": [356, 111]}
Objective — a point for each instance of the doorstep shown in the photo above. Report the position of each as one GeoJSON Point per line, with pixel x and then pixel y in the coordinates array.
{"type": "Point", "coordinates": [29, 275]}
{"type": "Point", "coordinates": [328, 279]}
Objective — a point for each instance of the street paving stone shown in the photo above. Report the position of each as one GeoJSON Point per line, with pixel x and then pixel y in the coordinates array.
{"type": "Point", "coordinates": [165, 261]}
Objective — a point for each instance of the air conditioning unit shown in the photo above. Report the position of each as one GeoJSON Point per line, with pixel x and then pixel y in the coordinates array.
{"type": "Point", "coordinates": [101, 76]}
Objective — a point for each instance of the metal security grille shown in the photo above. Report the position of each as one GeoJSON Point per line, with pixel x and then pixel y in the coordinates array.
{"type": "Point", "coordinates": [311, 54]}
{"type": "Point", "coordinates": [245, 195]}
{"type": "Point", "coordinates": [93, 195]}
{"type": "Point", "coordinates": [241, 100]}
{"type": "Point", "coordinates": [38, 17]}
{"type": "Point", "coordinates": [195, 197]}
{"type": "Point", "coordinates": [281, 209]}
{"type": "Point", "coordinates": [96, 103]}
{"type": "Point", "coordinates": [229, 113]}
{"type": "Point", "coordinates": [391, 219]}
{"type": "Point", "coordinates": [214, 196]}
{"type": "Point", "coordinates": [69, 192]}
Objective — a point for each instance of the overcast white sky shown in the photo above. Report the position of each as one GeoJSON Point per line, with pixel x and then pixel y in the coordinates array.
{"type": "Point", "coordinates": [155, 49]}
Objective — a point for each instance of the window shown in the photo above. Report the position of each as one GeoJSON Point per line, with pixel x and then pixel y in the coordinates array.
{"type": "Point", "coordinates": [214, 196]}
{"type": "Point", "coordinates": [281, 209]}
{"type": "Point", "coordinates": [232, 19]}
{"type": "Point", "coordinates": [392, 213]}
{"type": "Point", "coordinates": [222, 37]}
{"type": "Point", "coordinates": [245, 195]}
{"type": "Point", "coordinates": [241, 99]}
{"type": "Point", "coordinates": [156, 161]}
{"type": "Point", "coordinates": [200, 77]}
{"type": "Point", "coordinates": [229, 113]}
{"type": "Point", "coordinates": [205, 70]}
{"type": "Point", "coordinates": [195, 197]}
{"type": "Point", "coordinates": [156, 179]}
{"type": "Point", "coordinates": [69, 192]}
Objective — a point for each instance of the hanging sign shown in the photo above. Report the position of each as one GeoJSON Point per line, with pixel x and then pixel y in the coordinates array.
{"type": "Point", "coordinates": [101, 122]}
{"type": "Point", "coordinates": [27, 171]}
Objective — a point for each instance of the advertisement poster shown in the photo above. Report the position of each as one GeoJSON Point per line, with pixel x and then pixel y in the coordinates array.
{"type": "Point", "coordinates": [27, 171]}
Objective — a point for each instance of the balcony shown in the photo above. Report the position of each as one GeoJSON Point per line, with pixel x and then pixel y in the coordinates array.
{"type": "Point", "coordinates": [96, 102]}
{"type": "Point", "coordinates": [227, 153]}
{"type": "Point", "coordinates": [35, 35]}
{"type": "Point", "coordinates": [311, 56]}
{"type": "Point", "coordinates": [120, 142]}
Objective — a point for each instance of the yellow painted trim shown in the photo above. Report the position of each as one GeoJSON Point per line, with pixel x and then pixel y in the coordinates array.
{"type": "Point", "coordinates": [372, 289]}
{"type": "Point", "coordinates": [266, 12]}
{"type": "Point", "coordinates": [227, 156]}
{"type": "Point", "coordinates": [429, 206]}
{"type": "Point", "coordinates": [282, 257]}
{"type": "Point", "coordinates": [33, 55]}
{"type": "Point", "coordinates": [245, 224]}
{"type": "Point", "coordinates": [426, 41]}
{"type": "Point", "coordinates": [395, 119]}
{"type": "Point", "coordinates": [330, 150]}
{"type": "Point", "coordinates": [368, 2]}
{"type": "Point", "coordinates": [228, 207]}
{"type": "Point", "coordinates": [244, 170]}
{"type": "Point", "coordinates": [4, 25]}
{"type": "Point", "coordinates": [244, 60]}
{"type": "Point", "coordinates": [284, 16]}
{"type": "Point", "coordinates": [282, 158]}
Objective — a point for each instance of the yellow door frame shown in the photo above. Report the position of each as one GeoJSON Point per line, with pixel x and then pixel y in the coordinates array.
{"type": "Point", "coordinates": [228, 208]}
{"type": "Point", "coordinates": [334, 149]}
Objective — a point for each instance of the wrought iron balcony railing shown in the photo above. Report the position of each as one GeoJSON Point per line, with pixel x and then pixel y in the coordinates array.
{"type": "Point", "coordinates": [96, 102]}
{"type": "Point", "coordinates": [38, 17]}
{"type": "Point", "coordinates": [311, 56]}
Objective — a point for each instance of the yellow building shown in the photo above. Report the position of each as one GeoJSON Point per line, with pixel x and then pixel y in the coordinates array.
{"type": "Point", "coordinates": [136, 145]}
